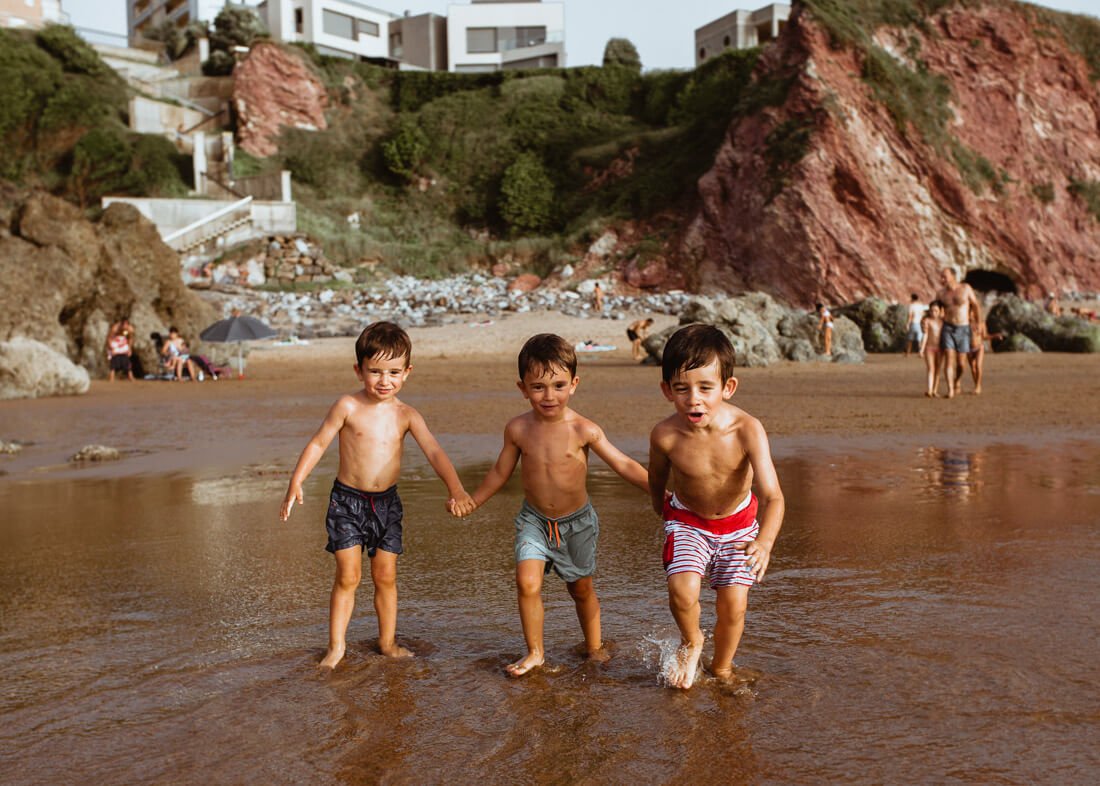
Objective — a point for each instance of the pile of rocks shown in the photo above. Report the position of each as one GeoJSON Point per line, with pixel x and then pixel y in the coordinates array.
{"type": "Point", "coordinates": [763, 332]}
{"type": "Point", "coordinates": [417, 303]}
{"type": "Point", "coordinates": [278, 259]}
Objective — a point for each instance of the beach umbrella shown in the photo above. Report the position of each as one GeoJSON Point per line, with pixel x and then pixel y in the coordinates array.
{"type": "Point", "coordinates": [236, 330]}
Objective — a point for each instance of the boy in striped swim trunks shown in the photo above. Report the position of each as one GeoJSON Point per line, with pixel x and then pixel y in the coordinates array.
{"type": "Point", "coordinates": [556, 528]}
{"type": "Point", "coordinates": [708, 455]}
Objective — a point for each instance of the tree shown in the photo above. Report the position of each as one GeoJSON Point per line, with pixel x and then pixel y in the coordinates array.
{"type": "Point", "coordinates": [527, 194]}
{"type": "Point", "coordinates": [232, 27]}
{"type": "Point", "coordinates": [620, 52]}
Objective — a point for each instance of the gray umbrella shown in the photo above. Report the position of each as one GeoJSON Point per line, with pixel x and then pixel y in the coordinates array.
{"type": "Point", "coordinates": [238, 329]}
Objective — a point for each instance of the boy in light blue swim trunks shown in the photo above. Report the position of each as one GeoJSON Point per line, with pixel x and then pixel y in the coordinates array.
{"type": "Point", "coordinates": [556, 527]}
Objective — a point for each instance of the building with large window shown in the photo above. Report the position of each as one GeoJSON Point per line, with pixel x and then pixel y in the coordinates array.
{"type": "Point", "coordinates": [740, 30]}
{"type": "Point", "coordinates": [482, 35]}
{"type": "Point", "coordinates": [31, 13]}
{"type": "Point", "coordinates": [490, 35]}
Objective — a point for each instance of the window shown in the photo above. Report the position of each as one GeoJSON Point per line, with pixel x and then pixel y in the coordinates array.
{"type": "Point", "coordinates": [336, 24]}
{"type": "Point", "coordinates": [481, 39]}
{"type": "Point", "coordinates": [530, 36]}
{"type": "Point", "coordinates": [703, 54]}
{"type": "Point", "coordinates": [726, 41]}
{"type": "Point", "coordinates": [366, 27]}
{"type": "Point", "coordinates": [396, 49]}
{"type": "Point", "coordinates": [299, 20]}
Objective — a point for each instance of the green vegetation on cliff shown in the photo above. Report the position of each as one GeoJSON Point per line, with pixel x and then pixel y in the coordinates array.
{"type": "Point", "coordinates": [62, 122]}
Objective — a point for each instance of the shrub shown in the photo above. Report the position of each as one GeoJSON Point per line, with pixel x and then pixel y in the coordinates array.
{"type": "Point", "coordinates": [219, 64]}
{"type": "Point", "coordinates": [527, 195]}
{"type": "Point", "coordinates": [404, 151]}
{"type": "Point", "coordinates": [100, 160]}
{"type": "Point", "coordinates": [73, 52]}
{"type": "Point", "coordinates": [1088, 191]}
{"type": "Point", "coordinates": [621, 52]}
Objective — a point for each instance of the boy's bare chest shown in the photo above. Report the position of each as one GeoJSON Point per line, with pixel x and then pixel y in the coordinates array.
{"type": "Point", "coordinates": [368, 430]}
{"type": "Point", "coordinates": [706, 458]}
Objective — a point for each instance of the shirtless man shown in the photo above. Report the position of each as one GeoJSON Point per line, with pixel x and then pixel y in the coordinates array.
{"type": "Point", "coordinates": [961, 307]}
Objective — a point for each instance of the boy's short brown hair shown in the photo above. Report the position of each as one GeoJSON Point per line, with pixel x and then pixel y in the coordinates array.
{"type": "Point", "coordinates": [383, 340]}
{"type": "Point", "coordinates": [544, 351]}
{"type": "Point", "coordinates": [695, 346]}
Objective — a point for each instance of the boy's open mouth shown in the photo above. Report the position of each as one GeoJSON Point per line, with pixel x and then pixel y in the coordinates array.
{"type": "Point", "coordinates": [695, 417]}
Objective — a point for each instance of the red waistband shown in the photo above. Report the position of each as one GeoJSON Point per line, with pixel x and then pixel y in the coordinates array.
{"type": "Point", "coordinates": [735, 521]}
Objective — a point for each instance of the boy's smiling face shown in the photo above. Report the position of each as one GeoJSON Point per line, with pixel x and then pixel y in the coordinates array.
{"type": "Point", "coordinates": [548, 392]}
{"type": "Point", "coordinates": [698, 393]}
{"type": "Point", "coordinates": [382, 378]}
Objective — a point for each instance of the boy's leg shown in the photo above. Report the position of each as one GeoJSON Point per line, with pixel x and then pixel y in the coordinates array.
{"type": "Point", "coordinates": [529, 573]}
{"type": "Point", "coordinates": [349, 569]}
{"type": "Point", "coordinates": [731, 605]}
{"type": "Point", "coordinates": [683, 600]}
{"type": "Point", "coordinates": [383, 572]}
{"type": "Point", "coordinates": [584, 597]}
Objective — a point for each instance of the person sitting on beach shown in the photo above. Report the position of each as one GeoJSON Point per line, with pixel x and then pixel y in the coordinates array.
{"type": "Point", "coordinates": [177, 356]}
{"type": "Point", "coordinates": [119, 350]}
{"type": "Point", "coordinates": [636, 332]}
{"type": "Point", "coordinates": [825, 325]}
{"type": "Point", "coordinates": [556, 526]}
{"type": "Point", "coordinates": [364, 510]}
{"type": "Point", "coordinates": [913, 330]}
{"type": "Point", "coordinates": [709, 454]}
{"type": "Point", "coordinates": [960, 309]}
{"type": "Point", "coordinates": [931, 325]}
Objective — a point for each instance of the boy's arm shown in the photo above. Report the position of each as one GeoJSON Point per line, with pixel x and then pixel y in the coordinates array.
{"type": "Point", "coordinates": [311, 454]}
{"type": "Point", "coordinates": [626, 467]}
{"type": "Point", "coordinates": [459, 503]}
{"type": "Point", "coordinates": [502, 469]}
{"type": "Point", "coordinates": [767, 486]}
{"type": "Point", "coordinates": [659, 467]}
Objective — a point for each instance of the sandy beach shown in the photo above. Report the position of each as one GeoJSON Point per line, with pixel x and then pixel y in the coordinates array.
{"type": "Point", "coordinates": [463, 382]}
{"type": "Point", "coordinates": [934, 555]}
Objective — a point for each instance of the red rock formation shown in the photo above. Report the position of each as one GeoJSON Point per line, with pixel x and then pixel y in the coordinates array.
{"type": "Point", "coordinates": [275, 88]}
{"type": "Point", "coordinates": [870, 211]}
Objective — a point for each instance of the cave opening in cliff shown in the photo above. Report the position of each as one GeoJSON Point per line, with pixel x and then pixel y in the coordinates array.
{"type": "Point", "coordinates": [990, 281]}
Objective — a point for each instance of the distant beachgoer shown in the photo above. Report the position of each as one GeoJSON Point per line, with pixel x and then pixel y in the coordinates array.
{"type": "Point", "coordinates": [364, 511]}
{"type": "Point", "coordinates": [636, 332]}
{"type": "Point", "coordinates": [932, 326]}
{"type": "Point", "coordinates": [1053, 307]}
{"type": "Point", "coordinates": [825, 325]}
{"type": "Point", "coordinates": [557, 526]}
{"type": "Point", "coordinates": [913, 324]}
{"type": "Point", "coordinates": [119, 350]}
{"type": "Point", "coordinates": [710, 454]}
{"type": "Point", "coordinates": [960, 309]}
{"type": "Point", "coordinates": [177, 355]}
{"type": "Point", "coordinates": [597, 298]}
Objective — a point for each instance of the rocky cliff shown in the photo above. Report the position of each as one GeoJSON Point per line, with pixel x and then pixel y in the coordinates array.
{"type": "Point", "coordinates": [836, 194]}
{"type": "Point", "coordinates": [67, 278]}
{"type": "Point", "coordinates": [274, 88]}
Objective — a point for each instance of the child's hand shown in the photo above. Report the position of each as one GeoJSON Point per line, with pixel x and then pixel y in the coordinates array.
{"type": "Point", "coordinates": [462, 505]}
{"type": "Point", "coordinates": [293, 494]}
{"type": "Point", "coordinates": [757, 557]}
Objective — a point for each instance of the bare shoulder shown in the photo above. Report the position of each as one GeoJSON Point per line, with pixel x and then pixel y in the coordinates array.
{"type": "Point", "coordinates": [745, 427]}
{"type": "Point", "coordinates": [587, 430]}
{"type": "Point", "coordinates": [665, 429]}
{"type": "Point", "coordinates": [515, 428]}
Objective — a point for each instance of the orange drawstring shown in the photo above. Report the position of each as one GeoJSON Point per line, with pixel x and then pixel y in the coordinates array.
{"type": "Point", "coordinates": [552, 531]}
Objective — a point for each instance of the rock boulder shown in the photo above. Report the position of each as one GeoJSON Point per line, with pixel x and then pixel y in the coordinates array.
{"type": "Point", "coordinates": [30, 369]}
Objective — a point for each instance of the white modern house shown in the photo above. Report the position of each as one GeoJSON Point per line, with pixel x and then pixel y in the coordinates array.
{"type": "Point", "coordinates": [482, 35]}
{"type": "Point", "coordinates": [490, 35]}
{"type": "Point", "coordinates": [740, 30]}
{"type": "Point", "coordinates": [340, 28]}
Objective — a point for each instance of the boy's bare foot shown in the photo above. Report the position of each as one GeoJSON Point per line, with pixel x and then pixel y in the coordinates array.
{"type": "Point", "coordinates": [332, 657]}
{"type": "Point", "coordinates": [599, 655]}
{"type": "Point", "coordinates": [977, 391]}
{"type": "Point", "coordinates": [530, 661]}
{"type": "Point", "coordinates": [929, 394]}
{"type": "Point", "coordinates": [736, 676]}
{"type": "Point", "coordinates": [395, 651]}
{"type": "Point", "coordinates": [682, 673]}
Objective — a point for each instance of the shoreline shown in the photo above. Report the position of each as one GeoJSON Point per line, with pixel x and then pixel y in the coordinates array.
{"type": "Point", "coordinates": [463, 381]}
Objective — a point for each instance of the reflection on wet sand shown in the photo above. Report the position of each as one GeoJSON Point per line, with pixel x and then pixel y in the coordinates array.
{"type": "Point", "coordinates": [927, 617]}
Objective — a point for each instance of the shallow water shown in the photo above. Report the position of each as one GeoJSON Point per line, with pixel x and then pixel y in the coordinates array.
{"type": "Point", "coordinates": [929, 616]}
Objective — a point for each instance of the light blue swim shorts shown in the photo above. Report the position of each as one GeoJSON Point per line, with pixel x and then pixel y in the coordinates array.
{"type": "Point", "coordinates": [567, 544]}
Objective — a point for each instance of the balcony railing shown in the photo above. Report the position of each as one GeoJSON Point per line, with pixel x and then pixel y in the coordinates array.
{"type": "Point", "coordinates": [508, 43]}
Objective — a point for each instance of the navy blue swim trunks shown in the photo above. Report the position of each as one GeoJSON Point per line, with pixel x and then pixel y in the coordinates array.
{"type": "Point", "coordinates": [370, 520]}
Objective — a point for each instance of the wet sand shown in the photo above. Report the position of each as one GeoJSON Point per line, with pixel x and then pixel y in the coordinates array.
{"type": "Point", "coordinates": [928, 616]}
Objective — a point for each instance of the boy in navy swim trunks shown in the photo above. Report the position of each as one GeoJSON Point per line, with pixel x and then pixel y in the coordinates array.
{"type": "Point", "coordinates": [556, 527]}
{"type": "Point", "coordinates": [364, 511]}
{"type": "Point", "coordinates": [708, 455]}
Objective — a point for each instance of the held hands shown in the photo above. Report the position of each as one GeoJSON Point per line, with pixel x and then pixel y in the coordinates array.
{"type": "Point", "coordinates": [293, 494]}
{"type": "Point", "coordinates": [757, 557]}
{"type": "Point", "coordinates": [461, 505]}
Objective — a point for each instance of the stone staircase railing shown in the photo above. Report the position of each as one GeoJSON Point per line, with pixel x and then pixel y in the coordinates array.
{"type": "Point", "coordinates": [207, 228]}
